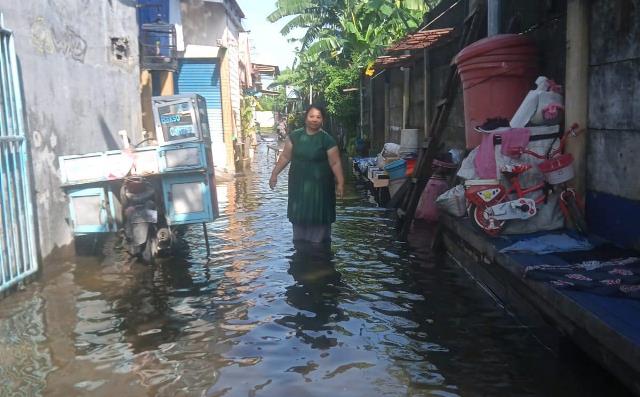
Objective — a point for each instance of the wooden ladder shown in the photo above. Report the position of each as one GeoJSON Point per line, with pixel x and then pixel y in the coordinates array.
{"type": "Point", "coordinates": [409, 194]}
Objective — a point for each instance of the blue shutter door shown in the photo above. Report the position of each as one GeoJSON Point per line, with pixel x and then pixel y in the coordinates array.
{"type": "Point", "coordinates": [202, 76]}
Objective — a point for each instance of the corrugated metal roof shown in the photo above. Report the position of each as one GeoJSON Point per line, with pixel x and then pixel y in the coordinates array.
{"type": "Point", "coordinates": [415, 41]}
{"type": "Point", "coordinates": [264, 68]}
{"type": "Point", "coordinates": [419, 40]}
{"type": "Point", "coordinates": [385, 61]}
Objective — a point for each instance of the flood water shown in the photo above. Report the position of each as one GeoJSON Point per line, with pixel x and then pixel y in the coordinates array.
{"type": "Point", "coordinates": [261, 317]}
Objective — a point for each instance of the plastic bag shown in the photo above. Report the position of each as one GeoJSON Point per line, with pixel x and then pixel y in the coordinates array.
{"type": "Point", "coordinates": [453, 201]}
{"type": "Point", "coordinates": [547, 100]}
{"type": "Point", "coordinates": [391, 150]}
{"type": "Point", "coordinates": [467, 169]}
{"type": "Point", "coordinates": [544, 100]}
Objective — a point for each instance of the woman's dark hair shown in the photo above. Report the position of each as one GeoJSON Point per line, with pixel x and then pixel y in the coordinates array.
{"type": "Point", "coordinates": [319, 108]}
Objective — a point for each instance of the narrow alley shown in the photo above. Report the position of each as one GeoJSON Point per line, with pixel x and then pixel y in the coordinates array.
{"type": "Point", "coordinates": [260, 317]}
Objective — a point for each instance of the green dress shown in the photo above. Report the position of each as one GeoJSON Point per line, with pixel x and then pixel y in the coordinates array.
{"type": "Point", "coordinates": [312, 188]}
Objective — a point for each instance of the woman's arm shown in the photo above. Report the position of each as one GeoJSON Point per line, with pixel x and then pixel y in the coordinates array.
{"type": "Point", "coordinates": [336, 166]}
{"type": "Point", "coordinates": [282, 162]}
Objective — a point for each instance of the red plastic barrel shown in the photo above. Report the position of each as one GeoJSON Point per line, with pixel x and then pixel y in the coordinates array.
{"type": "Point", "coordinates": [496, 73]}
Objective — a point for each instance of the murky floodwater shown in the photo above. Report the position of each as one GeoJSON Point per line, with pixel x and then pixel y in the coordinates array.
{"type": "Point", "coordinates": [260, 317]}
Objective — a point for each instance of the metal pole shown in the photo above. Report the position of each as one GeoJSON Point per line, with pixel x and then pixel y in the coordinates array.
{"type": "Point", "coordinates": [493, 17]}
{"type": "Point", "coordinates": [206, 239]}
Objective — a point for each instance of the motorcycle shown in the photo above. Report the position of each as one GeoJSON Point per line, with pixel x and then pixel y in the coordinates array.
{"type": "Point", "coordinates": [145, 229]}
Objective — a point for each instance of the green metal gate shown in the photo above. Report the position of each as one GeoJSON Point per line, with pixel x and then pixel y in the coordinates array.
{"type": "Point", "coordinates": [17, 233]}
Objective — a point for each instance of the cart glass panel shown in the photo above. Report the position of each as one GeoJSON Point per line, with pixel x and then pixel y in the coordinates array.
{"type": "Point", "coordinates": [177, 121]}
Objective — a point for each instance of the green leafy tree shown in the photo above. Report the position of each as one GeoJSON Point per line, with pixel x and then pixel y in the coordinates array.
{"type": "Point", "coordinates": [348, 29]}
{"type": "Point", "coordinates": [248, 105]}
{"type": "Point", "coordinates": [314, 16]}
{"type": "Point", "coordinates": [341, 38]}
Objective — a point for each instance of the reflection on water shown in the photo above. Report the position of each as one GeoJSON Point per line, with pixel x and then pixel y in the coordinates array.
{"type": "Point", "coordinates": [366, 316]}
{"type": "Point", "coordinates": [315, 294]}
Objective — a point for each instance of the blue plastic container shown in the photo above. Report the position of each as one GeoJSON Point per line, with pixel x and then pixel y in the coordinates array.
{"type": "Point", "coordinates": [396, 169]}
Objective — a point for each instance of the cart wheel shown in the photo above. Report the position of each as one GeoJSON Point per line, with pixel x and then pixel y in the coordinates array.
{"type": "Point", "coordinates": [484, 221]}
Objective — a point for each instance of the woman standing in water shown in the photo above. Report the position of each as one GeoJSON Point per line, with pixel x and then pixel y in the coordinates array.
{"type": "Point", "coordinates": [315, 177]}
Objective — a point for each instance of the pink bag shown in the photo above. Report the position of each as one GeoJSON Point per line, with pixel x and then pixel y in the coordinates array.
{"type": "Point", "coordinates": [427, 208]}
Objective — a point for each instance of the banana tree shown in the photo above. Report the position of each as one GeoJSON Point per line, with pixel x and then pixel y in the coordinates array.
{"type": "Point", "coordinates": [367, 28]}
{"type": "Point", "coordinates": [313, 16]}
{"type": "Point", "coordinates": [343, 35]}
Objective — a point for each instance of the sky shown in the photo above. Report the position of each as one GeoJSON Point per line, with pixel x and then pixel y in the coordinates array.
{"type": "Point", "coordinates": [268, 46]}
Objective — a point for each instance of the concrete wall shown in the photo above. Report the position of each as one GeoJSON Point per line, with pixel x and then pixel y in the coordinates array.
{"type": "Point", "coordinates": [613, 201]}
{"type": "Point", "coordinates": [203, 23]}
{"type": "Point", "coordinates": [77, 94]}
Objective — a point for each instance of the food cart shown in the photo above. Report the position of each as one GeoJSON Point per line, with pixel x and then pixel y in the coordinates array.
{"type": "Point", "coordinates": [179, 167]}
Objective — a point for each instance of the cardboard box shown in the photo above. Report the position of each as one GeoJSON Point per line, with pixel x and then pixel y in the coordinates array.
{"type": "Point", "coordinates": [380, 182]}
{"type": "Point", "coordinates": [380, 179]}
